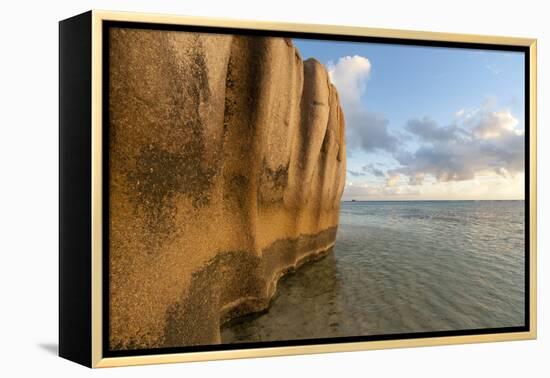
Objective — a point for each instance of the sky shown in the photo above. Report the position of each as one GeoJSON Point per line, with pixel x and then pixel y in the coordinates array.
{"type": "Point", "coordinates": [428, 123]}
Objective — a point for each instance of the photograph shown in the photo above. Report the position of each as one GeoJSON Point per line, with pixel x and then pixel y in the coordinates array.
{"type": "Point", "coordinates": [279, 189]}
{"type": "Point", "coordinates": [238, 189]}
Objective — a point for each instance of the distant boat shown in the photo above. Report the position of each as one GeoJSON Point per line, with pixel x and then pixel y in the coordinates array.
{"type": "Point", "coordinates": [352, 200]}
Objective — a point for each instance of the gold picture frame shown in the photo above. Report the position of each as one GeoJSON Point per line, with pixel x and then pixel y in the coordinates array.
{"type": "Point", "coordinates": [81, 255]}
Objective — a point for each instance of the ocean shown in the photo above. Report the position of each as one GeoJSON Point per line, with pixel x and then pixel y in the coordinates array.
{"type": "Point", "coordinates": [403, 267]}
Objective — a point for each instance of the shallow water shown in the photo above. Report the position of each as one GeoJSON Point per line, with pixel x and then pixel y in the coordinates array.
{"type": "Point", "coordinates": [400, 267]}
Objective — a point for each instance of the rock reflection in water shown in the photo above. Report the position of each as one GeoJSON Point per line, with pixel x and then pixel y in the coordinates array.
{"type": "Point", "coordinates": [304, 306]}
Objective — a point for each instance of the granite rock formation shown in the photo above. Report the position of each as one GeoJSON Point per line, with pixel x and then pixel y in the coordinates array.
{"type": "Point", "coordinates": [226, 168]}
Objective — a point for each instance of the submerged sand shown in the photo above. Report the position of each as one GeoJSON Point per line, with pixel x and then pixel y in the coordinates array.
{"type": "Point", "coordinates": [402, 268]}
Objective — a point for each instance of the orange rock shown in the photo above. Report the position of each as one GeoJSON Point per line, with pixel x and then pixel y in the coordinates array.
{"type": "Point", "coordinates": [227, 164]}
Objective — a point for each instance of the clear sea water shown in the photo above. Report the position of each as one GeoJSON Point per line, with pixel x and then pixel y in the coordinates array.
{"type": "Point", "coordinates": [400, 267]}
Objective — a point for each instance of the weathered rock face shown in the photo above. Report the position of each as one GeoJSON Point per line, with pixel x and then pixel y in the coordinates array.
{"type": "Point", "coordinates": [227, 164]}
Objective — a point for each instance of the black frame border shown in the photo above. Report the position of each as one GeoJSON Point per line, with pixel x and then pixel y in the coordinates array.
{"type": "Point", "coordinates": [75, 181]}
{"type": "Point", "coordinates": [106, 25]}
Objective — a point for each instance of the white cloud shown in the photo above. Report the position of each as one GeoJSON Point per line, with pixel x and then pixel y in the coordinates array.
{"type": "Point", "coordinates": [350, 76]}
{"type": "Point", "coordinates": [482, 187]}
{"type": "Point", "coordinates": [487, 143]}
{"type": "Point", "coordinates": [375, 191]}
{"type": "Point", "coordinates": [392, 180]}
{"type": "Point", "coordinates": [493, 125]}
{"type": "Point", "coordinates": [365, 130]}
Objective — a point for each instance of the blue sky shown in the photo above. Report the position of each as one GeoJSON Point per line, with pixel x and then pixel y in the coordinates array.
{"type": "Point", "coordinates": [428, 122]}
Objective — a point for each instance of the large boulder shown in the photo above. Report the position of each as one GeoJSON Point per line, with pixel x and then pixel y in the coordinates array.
{"type": "Point", "coordinates": [226, 168]}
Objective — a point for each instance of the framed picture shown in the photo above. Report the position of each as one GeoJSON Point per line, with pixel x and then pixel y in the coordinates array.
{"type": "Point", "coordinates": [234, 189]}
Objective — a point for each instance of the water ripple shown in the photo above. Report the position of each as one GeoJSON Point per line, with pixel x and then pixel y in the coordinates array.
{"type": "Point", "coordinates": [404, 267]}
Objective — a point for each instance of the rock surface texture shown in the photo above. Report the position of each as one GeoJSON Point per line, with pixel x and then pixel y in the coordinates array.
{"type": "Point", "coordinates": [226, 168]}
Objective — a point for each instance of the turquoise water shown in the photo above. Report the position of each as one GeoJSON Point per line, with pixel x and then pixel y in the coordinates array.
{"type": "Point", "coordinates": [400, 267]}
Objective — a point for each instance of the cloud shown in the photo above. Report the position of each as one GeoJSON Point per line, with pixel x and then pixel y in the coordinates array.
{"type": "Point", "coordinates": [368, 131]}
{"type": "Point", "coordinates": [479, 142]}
{"type": "Point", "coordinates": [369, 191]}
{"type": "Point", "coordinates": [370, 168]}
{"type": "Point", "coordinates": [350, 76]}
{"type": "Point", "coordinates": [393, 180]}
{"type": "Point", "coordinates": [356, 174]}
{"type": "Point", "coordinates": [496, 125]}
{"type": "Point", "coordinates": [365, 130]}
{"type": "Point", "coordinates": [427, 130]}
{"type": "Point", "coordinates": [482, 187]}
{"type": "Point", "coordinates": [486, 142]}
